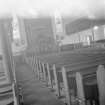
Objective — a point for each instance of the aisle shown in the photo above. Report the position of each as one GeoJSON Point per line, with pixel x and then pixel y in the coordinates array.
{"type": "Point", "coordinates": [34, 91]}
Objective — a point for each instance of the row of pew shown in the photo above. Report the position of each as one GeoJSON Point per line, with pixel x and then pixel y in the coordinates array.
{"type": "Point", "coordinates": [76, 77]}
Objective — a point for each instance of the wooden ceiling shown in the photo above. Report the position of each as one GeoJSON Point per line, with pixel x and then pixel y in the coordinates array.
{"type": "Point", "coordinates": [82, 24]}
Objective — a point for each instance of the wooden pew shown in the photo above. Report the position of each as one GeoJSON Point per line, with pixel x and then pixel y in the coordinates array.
{"type": "Point", "coordinates": [75, 63]}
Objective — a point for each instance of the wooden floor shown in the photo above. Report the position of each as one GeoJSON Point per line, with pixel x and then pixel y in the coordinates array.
{"type": "Point", "coordinates": [35, 92]}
